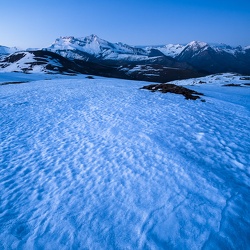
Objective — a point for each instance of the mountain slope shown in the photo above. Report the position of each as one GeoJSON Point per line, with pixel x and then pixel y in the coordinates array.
{"type": "Point", "coordinates": [51, 63]}
{"type": "Point", "coordinates": [36, 62]}
{"type": "Point", "coordinates": [216, 58]}
{"type": "Point", "coordinates": [128, 60]}
{"type": "Point", "coordinates": [172, 50]}
{"type": "Point", "coordinates": [94, 49]}
{"type": "Point", "coordinates": [93, 55]}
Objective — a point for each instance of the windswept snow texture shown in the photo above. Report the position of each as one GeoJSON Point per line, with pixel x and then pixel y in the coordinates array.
{"type": "Point", "coordinates": [101, 164]}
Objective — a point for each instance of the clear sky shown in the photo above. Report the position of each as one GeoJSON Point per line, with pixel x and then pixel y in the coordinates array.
{"type": "Point", "coordinates": [37, 23]}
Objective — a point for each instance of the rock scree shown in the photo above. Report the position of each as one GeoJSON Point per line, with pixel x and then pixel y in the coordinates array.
{"type": "Point", "coordinates": [172, 88]}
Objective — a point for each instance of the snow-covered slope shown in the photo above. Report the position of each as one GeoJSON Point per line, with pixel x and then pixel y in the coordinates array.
{"type": "Point", "coordinates": [101, 164]}
{"type": "Point", "coordinates": [35, 62]}
{"type": "Point", "coordinates": [228, 49]}
{"type": "Point", "coordinates": [175, 50]}
{"type": "Point", "coordinates": [216, 58]}
{"type": "Point", "coordinates": [158, 73]}
{"type": "Point", "coordinates": [7, 50]}
{"type": "Point", "coordinates": [172, 50]}
{"type": "Point", "coordinates": [230, 79]}
{"type": "Point", "coordinates": [49, 62]}
{"type": "Point", "coordinates": [18, 62]}
{"type": "Point", "coordinates": [198, 47]}
{"type": "Point", "coordinates": [195, 47]}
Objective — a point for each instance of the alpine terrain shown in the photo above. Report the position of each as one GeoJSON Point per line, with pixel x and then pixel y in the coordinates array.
{"type": "Point", "coordinates": [93, 55]}
{"type": "Point", "coordinates": [110, 146]}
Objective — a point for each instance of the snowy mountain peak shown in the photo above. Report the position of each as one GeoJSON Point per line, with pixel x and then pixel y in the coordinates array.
{"type": "Point", "coordinates": [93, 37]}
{"type": "Point", "coordinates": [62, 41]}
{"type": "Point", "coordinates": [77, 48]}
{"type": "Point", "coordinates": [91, 44]}
{"type": "Point", "coordinates": [196, 45]}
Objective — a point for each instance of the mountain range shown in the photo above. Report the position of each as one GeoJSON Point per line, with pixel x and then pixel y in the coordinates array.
{"type": "Point", "coordinates": [95, 56]}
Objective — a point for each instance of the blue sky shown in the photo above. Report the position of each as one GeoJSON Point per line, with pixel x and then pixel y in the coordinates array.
{"type": "Point", "coordinates": [30, 23]}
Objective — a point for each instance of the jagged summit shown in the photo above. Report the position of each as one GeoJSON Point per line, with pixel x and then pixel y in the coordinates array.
{"type": "Point", "coordinates": [93, 37]}
{"type": "Point", "coordinates": [197, 44]}
{"type": "Point", "coordinates": [77, 48]}
{"type": "Point", "coordinates": [80, 41]}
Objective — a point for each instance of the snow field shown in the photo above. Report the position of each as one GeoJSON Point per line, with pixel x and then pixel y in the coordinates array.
{"type": "Point", "coordinates": [100, 164]}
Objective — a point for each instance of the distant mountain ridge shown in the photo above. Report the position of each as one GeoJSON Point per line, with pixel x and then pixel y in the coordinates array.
{"type": "Point", "coordinates": [7, 50]}
{"type": "Point", "coordinates": [216, 58]}
{"type": "Point", "coordinates": [210, 58]}
{"type": "Point", "coordinates": [92, 46]}
{"type": "Point", "coordinates": [93, 55]}
{"type": "Point", "coordinates": [96, 46]}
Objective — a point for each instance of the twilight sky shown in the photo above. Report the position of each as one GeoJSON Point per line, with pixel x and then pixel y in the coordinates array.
{"type": "Point", "coordinates": [37, 23]}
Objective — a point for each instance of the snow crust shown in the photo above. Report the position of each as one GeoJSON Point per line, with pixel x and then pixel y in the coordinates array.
{"type": "Point", "coordinates": [21, 77]}
{"type": "Point", "coordinates": [101, 164]}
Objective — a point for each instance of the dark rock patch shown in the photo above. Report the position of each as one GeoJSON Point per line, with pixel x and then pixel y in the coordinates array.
{"type": "Point", "coordinates": [89, 77]}
{"type": "Point", "coordinates": [14, 57]}
{"type": "Point", "coordinates": [201, 82]}
{"type": "Point", "coordinates": [172, 88]}
{"type": "Point", "coordinates": [247, 84]}
{"type": "Point", "coordinates": [7, 83]}
{"type": "Point", "coordinates": [245, 78]}
{"type": "Point", "coordinates": [231, 85]}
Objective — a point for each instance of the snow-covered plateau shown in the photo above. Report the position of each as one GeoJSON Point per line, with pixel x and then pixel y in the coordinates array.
{"type": "Point", "coordinates": [102, 164]}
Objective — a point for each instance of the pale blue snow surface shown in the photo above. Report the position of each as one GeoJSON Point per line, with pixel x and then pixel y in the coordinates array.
{"type": "Point", "coordinates": [12, 77]}
{"type": "Point", "coordinates": [101, 164]}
